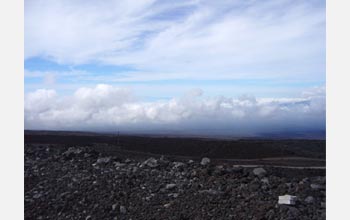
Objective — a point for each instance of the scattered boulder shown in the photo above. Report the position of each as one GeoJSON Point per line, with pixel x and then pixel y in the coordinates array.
{"type": "Point", "coordinates": [103, 160]}
{"type": "Point", "coordinates": [114, 206]}
{"type": "Point", "coordinates": [167, 205]}
{"type": "Point", "coordinates": [260, 172]}
{"type": "Point", "coordinates": [265, 180]}
{"type": "Point", "coordinates": [130, 188]}
{"type": "Point", "coordinates": [37, 196]}
{"type": "Point", "coordinates": [122, 209]}
{"type": "Point", "coordinates": [170, 186]}
{"type": "Point", "coordinates": [317, 186]}
{"type": "Point", "coordinates": [309, 199]}
{"type": "Point", "coordinates": [151, 162]}
{"type": "Point", "coordinates": [174, 195]}
{"type": "Point", "coordinates": [178, 164]}
{"type": "Point", "coordinates": [205, 161]}
{"type": "Point", "coordinates": [71, 152]}
{"type": "Point", "coordinates": [118, 164]}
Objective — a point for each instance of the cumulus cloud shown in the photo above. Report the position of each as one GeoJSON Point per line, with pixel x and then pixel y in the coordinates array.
{"type": "Point", "coordinates": [107, 108]}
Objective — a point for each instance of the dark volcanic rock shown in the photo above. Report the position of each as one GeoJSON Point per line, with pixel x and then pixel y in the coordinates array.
{"type": "Point", "coordinates": [80, 183]}
{"type": "Point", "coordinates": [260, 172]}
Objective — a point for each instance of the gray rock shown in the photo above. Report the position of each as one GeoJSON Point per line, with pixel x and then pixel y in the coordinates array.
{"type": "Point", "coordinates": [265, 180]}
{"type": "Point", "coordinates": [321, 179]}
{"type": "Point", "coordinates": [317, 186]}
{"type": "Point", "coordinates": [151, 162]}
{"type": "Point", "coordinates": [72, 151]}
{"type": "Point", "coordinates": [170, 186]}
{"type": "Point", "coordinates": [305, 180]}
{"type": "Point", "coordinates": [219, 167]}
{"type": "Point", "coordinates": [270, 214]}
{"type": "Point", "coordinates": [309, 199]}
{"type": "Point", "coordinates": [118, 164]}
{"type": "Point", "coordinates": [260, 172]}
{"type": "Point", "coordinates": [178, 164]}
{"type": "Point", "coordinates": [174, 195]}
{"type": "Point", "coordinates": [167, 205]}
{"type": "Point", "coordinates": [211, 192]}
{"type": "Point", "coordinates": [122, 209]}
{"type": "Point", "coordinates": [103, 160]}
{"type": "Point", "coordinates": [293, 212]}
{"type": "Point", "coordinates": [205, 161]}
{"type": "Point", "coordinates": [37, 196]}
{"type": "Point", "coordinates": [114, 206]}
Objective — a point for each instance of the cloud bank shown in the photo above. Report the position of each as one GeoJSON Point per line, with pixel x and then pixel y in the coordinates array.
{"type": "Point", "coordinates": [108, 108]}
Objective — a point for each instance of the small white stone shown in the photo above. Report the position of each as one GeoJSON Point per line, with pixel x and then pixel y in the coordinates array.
{"type": "Point", "coordinates": [170, 186]}
{"type": "Point", "coordinates": [287, 200]}
{"type": "Point", "coordinates": [205, 161]}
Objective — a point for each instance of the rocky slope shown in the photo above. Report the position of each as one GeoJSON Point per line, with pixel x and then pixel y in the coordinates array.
{"type": "Point", "coordinates": [80, 183]}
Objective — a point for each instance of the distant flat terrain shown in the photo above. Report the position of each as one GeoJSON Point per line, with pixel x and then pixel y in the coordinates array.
{"type": "Point", "coordinates": [294, 152]}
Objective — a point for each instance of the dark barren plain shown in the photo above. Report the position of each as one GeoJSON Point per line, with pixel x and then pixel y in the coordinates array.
{"type": "Point", "coordinates": [76, 175]}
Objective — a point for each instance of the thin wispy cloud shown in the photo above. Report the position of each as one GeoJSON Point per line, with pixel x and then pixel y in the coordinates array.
{"type": "Point", "coordinates": [231, 38]}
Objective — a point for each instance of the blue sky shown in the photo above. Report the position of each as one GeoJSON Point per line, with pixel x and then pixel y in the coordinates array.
{"type": "Point", "coordinates": [161, 50]}
{"type": "Point", "coordinates": [261, 44]}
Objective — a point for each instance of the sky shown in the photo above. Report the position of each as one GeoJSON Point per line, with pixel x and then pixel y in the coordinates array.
{"type": "Point", "coordinates": [239, 67]}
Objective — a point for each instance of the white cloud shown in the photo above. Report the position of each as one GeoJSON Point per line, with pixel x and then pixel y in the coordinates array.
{"type": "Point", "coordinates": [235, 39]}
{"type": "Point", "coordinates": [40, 101]}
{"type": "Point", "coordinates": [107, 108]}
{"type": "Point", "coordinates": [78, 31]}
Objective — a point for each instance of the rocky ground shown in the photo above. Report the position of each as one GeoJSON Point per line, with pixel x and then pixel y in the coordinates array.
{"type": "Point", "coordinates": [81, 183]}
